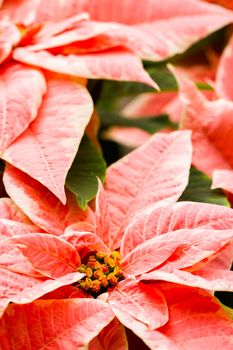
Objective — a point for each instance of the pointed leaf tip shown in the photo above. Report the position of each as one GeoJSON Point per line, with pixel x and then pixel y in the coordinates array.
{"type": "Point", "coordinates": [82, 176]}
{"type": "Point", "coordinates": [156, 172]}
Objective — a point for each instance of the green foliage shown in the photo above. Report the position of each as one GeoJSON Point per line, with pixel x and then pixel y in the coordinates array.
{"type": "Point", "coordinates": [151, 125]}
{"type": "Point", "coordinates": [163, 78]}
{"type": "Point", "coordinates": [82, 176]}
{"type": "Point", "coordinates": [116, 89]}
{"type": "Point", "coordinates": [198, 190]}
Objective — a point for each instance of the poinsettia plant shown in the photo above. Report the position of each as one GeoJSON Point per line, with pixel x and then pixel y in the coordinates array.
{"type": "Point", "coordinates": [130, 255]}
{"type": "Point", "coordinates": [118, 257]}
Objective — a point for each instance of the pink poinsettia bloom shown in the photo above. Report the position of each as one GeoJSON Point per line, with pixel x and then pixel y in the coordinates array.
{"type": "Point", "coordinates": [151, 29]}
{"type": "Point", "coordinates": [103, 39]}
{"type": "Point", "coordinates": [89, 39]}
{"type": "Point", "coordinates": [79, 39]}
{"type": "Point", "coordinates": [211, 123]}
{"type": "Point", "coordinates": [139, 237]}
{"type": "Point", "coordinates": [43, 115]}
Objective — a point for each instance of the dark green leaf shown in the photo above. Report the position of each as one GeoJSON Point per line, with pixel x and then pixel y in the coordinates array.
{"type": "Point", "coordinates": [150, 125]}
{"type": "Point", "coordinates": [163, 78]}
{"type": "Point", "coordinates": [115, 89]}
{"type": "Point", "coordinates": [198, 190]}
{"type": "Point", "coordinates": [82, 176]}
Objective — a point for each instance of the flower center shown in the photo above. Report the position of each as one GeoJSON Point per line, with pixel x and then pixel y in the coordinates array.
{"type": "Point", "coordinates": [102, 273]}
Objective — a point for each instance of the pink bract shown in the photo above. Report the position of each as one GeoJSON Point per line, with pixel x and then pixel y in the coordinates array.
{"type": "Point", "coordinates": [158, 240]}
{"type": "Point", "coordinates": [37, 144]}
{"type": "Point", "coordinates": [135, 23]}
{"type": "Point", "coordinates": [211, 123]}
{"type": "Point", "coordinates": [40, 205]}
{"type": "Point", "coordinates": [130, 137]}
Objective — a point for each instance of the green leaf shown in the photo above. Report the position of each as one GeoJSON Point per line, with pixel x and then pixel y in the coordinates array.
{"type": "Point", "coordinates": [116, 89]}
{"type": "Point", "coordinates": [198, 190]}
{"type": "Point", "coordinates": [163, 78]}
{"type": "Point", "coordinates": [150, 125]}
{"type": "Point", "coordinates": [82, 176]}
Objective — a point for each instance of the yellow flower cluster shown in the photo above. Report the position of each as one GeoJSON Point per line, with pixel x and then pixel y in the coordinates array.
{"type": "Point", "coordinates": [102, 273]}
